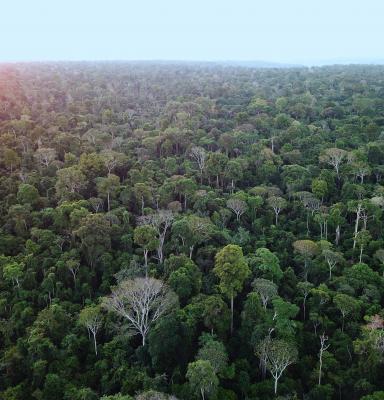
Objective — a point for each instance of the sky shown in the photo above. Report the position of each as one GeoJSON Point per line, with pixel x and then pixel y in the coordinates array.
{"type": "Point", "coordinates": [287, 31]}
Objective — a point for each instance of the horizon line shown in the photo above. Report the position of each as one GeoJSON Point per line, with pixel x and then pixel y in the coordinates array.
{"type": "Point", "coordinates": [293, 64]}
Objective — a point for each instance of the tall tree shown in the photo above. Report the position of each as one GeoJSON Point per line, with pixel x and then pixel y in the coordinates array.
{"type": "Point", "coordinates": [146, 237]}
{"type": "Point", "coordinates": [141, 302]}
{"type": "Point", "coordinates": [90, 317]}
{"type": "Point", "coordinates": [232, 270]}
{"type": "Point", "coordinates": [279, 355]}
{"type": "Point", "coordinates": [202, 378]}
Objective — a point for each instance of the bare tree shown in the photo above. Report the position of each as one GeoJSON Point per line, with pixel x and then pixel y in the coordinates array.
{"type": "Point", "coordinates": [304, 288]}
{"type": "Point", "coordinates": [307, 249]}
{"type": "Point", "coordinates": [278, 204]}
{"type": "Point", "coordinates": [360, 170]}
{"type": "Point", "coordinates": [111, 159]}
{"type": "Point", "coordinates": [358, 208]}
{"type": "Point", "coordinates": [73, 266]}
{"type": "Point", "coordinates": [90, 317]}
{"type": "Point", "coordinates": [161, 221]}
{"type": "Point", "coordinates": [238, 206]}
{"type": "Point", "coordinates": [141, 301]}
{"type": "Point", "coordinates": [323, 347]}
{"type": "Point", "coordinates": [45, 155]}
{"type": "Point", "coordinates": [334, 157]}
{"type": "Point", "coordinates": [279, 355]}
{"type": "Point", "coordinates": [332, 258]}
{"type": "Point", "coordinates": [199, 155]}
{"type": "Point", "coordinates": [266, 289]}
{"type": "Point", "coordinates": [96, 203]}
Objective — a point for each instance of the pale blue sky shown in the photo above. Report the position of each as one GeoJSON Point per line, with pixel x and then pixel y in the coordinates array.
{"type": "Point", "coordinates": [272, 30]}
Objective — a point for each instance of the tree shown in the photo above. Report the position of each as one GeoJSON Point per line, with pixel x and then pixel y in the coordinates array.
{"type": "Point", "coordinates": [333, 156]}
{"type": "Point", "coordinates": [323, 347]}
{"type": "Point", "coordinates": [284, 313]}
{"type": "Point", "coordinates": [232, 270]}
{"type": "Point", "coordinates": [332, 258]}
{"type": "Point", "coordinates": [359, 208]}
{"type": "Point", "coordinates": [336, 219]}
{"type": "Point", "coordinates": [307, 249]}
{"type": "Point", "coordinates": [347, 305]}
{"type": "Point", "coordinates": [362, 239]}
{"type": "Point", "coordinates": [69, 260]}
{"type": "Point", "coordinates": [90, 318]}
{"type": "Point", "coordinates": [304, 289]}
{"type": "Point", "coordinates": [10, 159]}
{"type": "Point", "coordinates": [266, 289]}
{"type": "Point", "coordinates": [319, 188]}
{"type": "Point", "coordinates": [94, 234]}
{"type": "Point", "coordinates": [216, 165]}
{"type": "Point", "coordinates": [146, 237]}
{"type": "Point", "coordinates": [202, 378]}
{"type": "Point", "coordinates": [269, 264]}
{"type": "Point", "coordinates": [238, 206]}
{"type": "Point", "coordinates": [161, 222]}
{"type": "Point", "coordinates": [13, 271]}
{"type": "Point", "coordinates": [192, 230]}
{"type": "Point", "coordinates": [185, 280]}
{"type": "Point", "coordinates": [69, 180]}
{"type": "Point", "coordinates": [379, 255]}
{"type": "Point", "coordinates": [213, 351]}
{"type": "Point", "coordinates": [142, 194]}
{"type": "Point", "coordinates": [107, 187]}
{"type": "Point", "coordinates": [200, 156]}
{"type": "Point", "coordinates": [150, 395]}
{"type": "Point", "coordinates": [216, 315]}
{"type": "Point", "coordinates": [234, 172]}
{"type": "Point", "coordinates": [45, 156]}
{"type": "Point", "coordinates": [360, 170]}
{"type": "Point", "coordinates": [278, 204]}
{"type": "Point", "coordinates": [112, 159]}
{"type": "Point", "coordinates": [28, 194]}
{"type": "Point", "coordinates": [141, 302]}
{"type": "Point", "coordinates": [279, 355]}
{"type": "Point", "coordinates": [184, 187]}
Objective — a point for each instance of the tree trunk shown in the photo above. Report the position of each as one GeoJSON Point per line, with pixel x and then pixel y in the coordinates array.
{"type": "Point", "coordinates": [231, 314]}
{"type": "Point", "coordinates": [337, 235]}
{"type": "Point", "coordinates": [190, 251]}
{"type": "Point", "coordinates": [356, 224]}
{"type": "Point", "coordinates": [276, 379]}
{"type": "Point", "coordinates": [94, 341]}
{"type": "Point", "coordinates": [146, 262]}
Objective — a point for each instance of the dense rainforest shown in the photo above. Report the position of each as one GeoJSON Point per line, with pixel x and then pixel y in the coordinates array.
{"type": "Point", "coordinates": [191, 231]}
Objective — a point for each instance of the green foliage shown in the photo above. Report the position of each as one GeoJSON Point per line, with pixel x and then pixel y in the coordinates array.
{"type": "Point", "coordinates": [250, 198]}
{"type": "Point", "coordinates": [231, 269]}
{"type": "Point", "coordinates": [202, 378]}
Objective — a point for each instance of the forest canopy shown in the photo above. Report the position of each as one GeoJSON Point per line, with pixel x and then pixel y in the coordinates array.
{"type": "Point", "coordinates": [191, 231]}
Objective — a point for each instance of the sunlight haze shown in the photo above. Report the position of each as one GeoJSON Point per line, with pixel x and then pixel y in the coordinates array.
{"type": "Point", "coordinates": [295, 31]}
